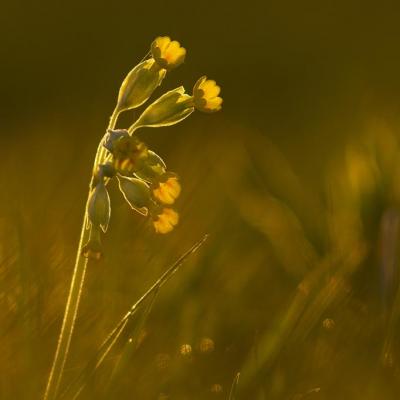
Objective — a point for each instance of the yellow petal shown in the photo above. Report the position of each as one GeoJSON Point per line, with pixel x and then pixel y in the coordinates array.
{"type": "Point", "coordinates": [173, 216]}
{"type": "Point", "coordinates": [166, 221]}
{"type": "Point", "coordinates": [214, 104]}
{"type": "Point", "coordinates": [174, 186]}
{"type": "Point", "coordinates": [161, 226]}
{"type": "Point", "coordinates": [174, 54]}
{"type": "Point", "coordinates": [162, 42]}
{"type": "Point", "coordinates": [162, 194]}
{"type": "Point", "coordinates": [210, 88]}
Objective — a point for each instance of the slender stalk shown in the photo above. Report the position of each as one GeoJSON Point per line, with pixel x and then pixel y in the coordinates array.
{"type": "Point", "coordinates": [232, 393]}
{"type": "Point", "coordinates": [68, 324]}
{"type": "Point", "coordinates": [119, 328]}
{"type": "Point", "coordinates": [74, 296]}
{"type": "Point", "coordinates": [101, 154]}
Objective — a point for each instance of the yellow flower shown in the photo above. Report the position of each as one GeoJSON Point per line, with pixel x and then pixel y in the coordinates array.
{"type": "Point", "coordinates": [168, 191]}
{"type": "Point", "coordinates": [166, 221]}
{"type": "Point", "coordinates": [167, 54]}
{"type": "Point", "coordinates": [205, 95]}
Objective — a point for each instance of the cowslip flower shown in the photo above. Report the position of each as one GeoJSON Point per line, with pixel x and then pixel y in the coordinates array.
{"type": "Point", "coordinates": [139, 85]}
{"type": "Point", "coordinates": [205, 95]}
{"type": "Point", "coordinates": [171, 108]}
{"type": "Point", "coordinates": [140, 173]}
{"type": "Point", "coordinates": [167, 53]}
{"type": "Point", "coordinates": [167, 190]}
{"type": "Point", "coordinates": [165, 220]}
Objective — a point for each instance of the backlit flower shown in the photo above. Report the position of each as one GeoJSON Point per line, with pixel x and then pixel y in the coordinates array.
{"type": "Point", "coordinates": [205, 95]}
{"type": "Point", "coordinates": [166, 220]}
{"type": "Point", "coordinates": [167, 191]}
{"type": "Point", "coordinates": [139, 84]}
{"type": "Point", "coordinates": [171, 108]}
{"type": "Point", "coordinates": [167, 54]}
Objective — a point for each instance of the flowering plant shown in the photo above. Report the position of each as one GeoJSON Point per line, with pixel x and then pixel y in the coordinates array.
{"type": "Point", "coordinates": [142, 175]}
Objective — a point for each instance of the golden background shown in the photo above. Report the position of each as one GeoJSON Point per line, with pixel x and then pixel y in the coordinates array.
{"type": "Point", "coordinates": [296, 181]}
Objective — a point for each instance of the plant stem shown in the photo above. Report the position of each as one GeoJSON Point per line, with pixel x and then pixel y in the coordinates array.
{"type": "Point", "coordinates": [75, 291]}
{"type": "Point", "coordinates": [68, 324]}
{"type": "Point", "coordinates": [116, 332]}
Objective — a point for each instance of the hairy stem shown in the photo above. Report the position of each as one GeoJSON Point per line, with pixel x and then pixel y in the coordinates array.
{"type": "Point", "coordinates": [75, 291]}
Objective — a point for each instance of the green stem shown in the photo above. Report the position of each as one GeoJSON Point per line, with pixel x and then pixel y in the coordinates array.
{"type": "Point", "coordinates": [75, 291]}
{"type": "Point", "coordinates": [114, 335]}
{"type": "Point", "coordinates": [68, 324]}
{"type": "Point", "coordinates": [114, 118]}
{"type": "Point", "coordinates": [101, 151]}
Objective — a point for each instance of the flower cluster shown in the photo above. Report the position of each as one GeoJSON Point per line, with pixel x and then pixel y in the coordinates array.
{"type": "Point", "coordinates": [142, 176]}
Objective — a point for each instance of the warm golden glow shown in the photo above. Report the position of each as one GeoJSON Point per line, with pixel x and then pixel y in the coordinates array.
{"type": "Point", "coordinates": [167, 192]}
{"type": "Point", "coordinates": [166, 221]}
{"type": "Point", "coordinates": [167, 53]}
{"type": "Point", "coordinates": [205, 95]}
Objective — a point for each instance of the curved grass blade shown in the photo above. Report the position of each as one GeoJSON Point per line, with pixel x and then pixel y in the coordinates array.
{"type": "Point", "coordinates": [130, 346]}
{"type": "Point", "coordinates": [232, 393]}
{"type": "Point", "coordinates": [91, 367]}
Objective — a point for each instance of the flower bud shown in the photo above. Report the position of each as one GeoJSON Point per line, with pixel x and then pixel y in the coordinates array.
{"type": "Point", "coordinates": [169, 109]}
{"type": "Point", "coordinates": [93, 249]}
{"type": "Point", "coordinates": [99, 208]}
{"type": "Point", "coordinates": [112, 137]}
{"type": "Point", "coordinates": [139, 84]}
{"type": "Point", "coordinates": [136, 193]}
{"type": "Point", "coordinates": [102, 174]}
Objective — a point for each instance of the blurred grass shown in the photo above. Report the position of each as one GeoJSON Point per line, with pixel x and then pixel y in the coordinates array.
{"type": "Point", "coordinates": [296, 289]}
{"type": "Point", "coordinates": [296, 182]}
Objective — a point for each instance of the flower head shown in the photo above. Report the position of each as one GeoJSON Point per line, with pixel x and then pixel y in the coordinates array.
{"type": "Point", "coordinates": [165, 220]}
{"type": "Point", "coordinates": [167, 190]}
{"type": "Point", "coordinates": [205, 95]}
{"type": "Point", "coordinates": [167, 54]}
